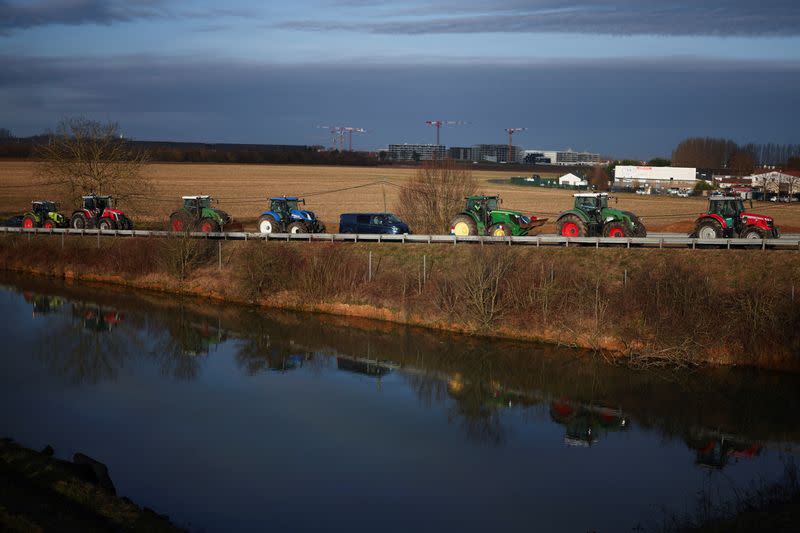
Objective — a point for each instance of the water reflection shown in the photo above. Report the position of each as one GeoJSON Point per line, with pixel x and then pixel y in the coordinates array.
{"type": "Point", "coordinates": [481, 384]}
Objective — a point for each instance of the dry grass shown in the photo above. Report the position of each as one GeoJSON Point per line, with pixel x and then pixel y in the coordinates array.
{"type": "Point", "coordinates": [242, 191]}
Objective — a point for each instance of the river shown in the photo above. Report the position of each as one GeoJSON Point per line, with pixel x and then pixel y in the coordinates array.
{"type": "Point", "coordinates": [232, 418]}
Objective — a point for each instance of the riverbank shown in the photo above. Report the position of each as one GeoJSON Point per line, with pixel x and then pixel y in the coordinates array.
{"type": "Point", "coordinates": [646, 307]}
{"type": "Point", "coordinates": [41, 493]}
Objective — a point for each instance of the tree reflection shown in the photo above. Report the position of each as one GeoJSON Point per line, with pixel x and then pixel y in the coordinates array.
{"type": "Point", "coordinates": [88, 348]}
{"type": "Point", "coordinates": [183, 341]}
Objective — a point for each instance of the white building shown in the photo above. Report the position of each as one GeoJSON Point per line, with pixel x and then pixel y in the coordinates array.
{"type": "Point", "coordinates": [572, 180]}
{"type": "Point", "coordinates": [564, 157]}
{"type": "Point", "coordinates": [777, 181]}
{"type": "Point", "coordinates": [416, 152]}
{"type": "Point", "coordinates": [658, 177]}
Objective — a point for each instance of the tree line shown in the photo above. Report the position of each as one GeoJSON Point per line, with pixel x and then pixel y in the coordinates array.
{"type": "Point", "coordinates": [719, 153]}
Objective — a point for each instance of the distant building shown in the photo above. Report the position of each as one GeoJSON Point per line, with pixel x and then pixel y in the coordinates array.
{"type": "Point", "coordinates": [460, 153]}
{"type": "Point", "coordinates": [496, 153]}
{"type": "Point", "coordinates": [658, 177]}
{"type": "Point", "coordinates": [572, 180]}
{"type": "Point", "coordinates": [416, 152]}
{"type": "Point", "coordinates": [563, 157]}
{"type": "Point", "coordinates": [783, 181]}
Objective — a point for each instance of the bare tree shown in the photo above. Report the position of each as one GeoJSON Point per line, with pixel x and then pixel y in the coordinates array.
{"type": "Point", "coordinates": [84, 156]}
{"type": "Point", "coordinates": [742, 163]}
{"type": "Point", "coordinates": [434, 195]}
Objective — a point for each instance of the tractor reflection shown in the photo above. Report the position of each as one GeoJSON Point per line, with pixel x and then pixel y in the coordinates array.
{"type": "Point", "coordinates": [584, 423]}
{"type": "Point", "coordinates": [365, 367]}
{"type": "Point", "coordinates": [43, 304]}
{"type": "Point", "coordinates": [196, 337]}
{"type": "Point", "coordinates": [715, 450]}
{"type": "Point", "coordinates": [97, 318]}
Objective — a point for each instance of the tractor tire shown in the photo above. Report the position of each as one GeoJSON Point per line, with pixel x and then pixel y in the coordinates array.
{"type": "Point", "coordinates": [29, 222]}
{"type": "Point", "coordinates": [107, 224]}
{"type": "Point", "coordinates": [499, 230]}
{"type": "Point", "coordinates": [640, 230]}
{"type": "Point", "coordinates": [616, 228]}
{"type": "Point", "coordinates": [207, 225]}
{"type": "Point", "coordinates": [297, 227]}
{"type": "Point", "coordinates": [178, 222]}
{"type": "Point", "coordinates": [708, 229]}
{"type": "Point", "coordinates": [268, 224]}
{"type": "Point", "coordinates": [753, 233]}
{"type": "Point", "coordinates": [571, 226]}
{"type": "Point", "coordinates": [49, 224]}
{"type": "Point", "coordinates": [79, 221]}
{"type": "Point", "coordinates": [463, 225]}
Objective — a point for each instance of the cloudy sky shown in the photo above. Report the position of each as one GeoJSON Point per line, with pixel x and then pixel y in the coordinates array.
{"type": "Point", "coordinates": [628, 78]}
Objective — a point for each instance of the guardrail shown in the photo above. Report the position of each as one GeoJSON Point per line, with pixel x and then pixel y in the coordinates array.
{"type": "Point", "coordinates": [658, 240]}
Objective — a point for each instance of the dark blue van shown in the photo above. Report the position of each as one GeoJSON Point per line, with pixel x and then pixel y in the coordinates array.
{"type": "Point", "coordinates": [371, 223]}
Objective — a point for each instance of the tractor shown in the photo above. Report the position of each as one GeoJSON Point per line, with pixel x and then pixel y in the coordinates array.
{"type": "Point", "coordinates": [727, 218]}
{"type": "Point", "coordinates": [481, 216]}
{"type": "Point", "coordinates": [196, 214]}
{"type": "Point", "coordinates": [44, 214]}
{"type": "Point", "coordinates": [284, 215]}
{"type": "Point", "coordinates": [99, 212]}
{"type": "Point", "coordinates": [591, 217]}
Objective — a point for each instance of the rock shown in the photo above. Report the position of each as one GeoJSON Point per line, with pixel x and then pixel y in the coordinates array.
{"type": "Point", "coordinates": [98, 471]}
{"type": "Point", "coordinates": [48, 451]}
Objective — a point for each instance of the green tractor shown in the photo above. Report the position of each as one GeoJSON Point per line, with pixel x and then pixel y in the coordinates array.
{"type": "Point", "coordinates": [198, 215]}
{"type": "Point", "coordinates": [44, 214]}
{"type": "Point", "coordinates": [591, 217]}
{"type": "Point", "coordinates": [481, 216]}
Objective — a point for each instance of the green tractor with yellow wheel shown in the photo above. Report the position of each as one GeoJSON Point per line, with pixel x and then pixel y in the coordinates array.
{"type": "Point", "coordinates": [591, 217]}
{"type": "Point", "coordinates": [482, 216]}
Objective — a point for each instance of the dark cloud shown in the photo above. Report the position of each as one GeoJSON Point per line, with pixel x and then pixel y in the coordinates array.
{"type": "Point", "coordinates": [635, 108]}
{"type": "Point", "coordinates": [20, 15]}
{"type": "Point", "coordinates": [611, 17]}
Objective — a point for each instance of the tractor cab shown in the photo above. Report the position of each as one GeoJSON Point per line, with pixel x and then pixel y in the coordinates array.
{"type": "Point", "coordinates": [482, 207]}
{"type": "Point", "coordinates": [196, 204]}
{"type": "Point", "coordinates": [728, 208]}
{"type": "Point", "coordinates": [592, 203]}
{"type": "Point", "coordinates": [44, 207]}
{"type": "Point", "coordinates": [97, 203]}
{"type": "Point", "coordinates": [284, 205]}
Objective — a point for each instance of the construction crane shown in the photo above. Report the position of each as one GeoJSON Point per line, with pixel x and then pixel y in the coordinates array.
{"type": "Point", "coordinates": [511, 132]}
{"type": "Point", "coordinates": [350, 130]}
{"type": "Point", "coordinates": [337, 132]}
{"type": "Point", "coordinates": [440, 123]}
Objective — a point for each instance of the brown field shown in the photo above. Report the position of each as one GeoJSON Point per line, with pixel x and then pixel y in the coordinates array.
{"type": "Point", "coordinates": [242, 191]}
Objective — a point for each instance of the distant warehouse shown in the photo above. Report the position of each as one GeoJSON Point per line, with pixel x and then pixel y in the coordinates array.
{"type": "Point", "coordinates": [655, 177]}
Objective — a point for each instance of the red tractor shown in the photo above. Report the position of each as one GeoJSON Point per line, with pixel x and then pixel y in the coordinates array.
{"type": "Point", "coordinates": [727, 218]}
{"type": "Point", "coordinates": [99, 212]}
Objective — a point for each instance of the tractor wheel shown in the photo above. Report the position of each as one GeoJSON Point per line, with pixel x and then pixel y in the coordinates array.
{"type": "Point", "coordinates": [297, 227]}
{"type": "Point", "coordinates": [499, 230]}
{"type": "Point", "coordinates": [615, 229]}
{"type": "Point", "coordinates": [268, 224]}
{"type": "Point", "coordinates": [208, 225]}
{"type": "Point", "coordinates": [571, 226]}
{"type": "Point", "coordinates": [463, 225]}
{"type": "Point", "coordinates": [639, 230]}
{"type": "Point", "coordinates": [708, 229]}
{"type": "Point", "coordinates": [753, 233]}
{"type": "Point", "coordinates": [178, 222]}
{"type": "Point", "coordinates": [107, 224]}
{"type": "Point", "coordinates": [79, 221]}
{"type": "Point", "coordinates": [28, 222]}
{"type": "Point", "coordinates": [49, 224]}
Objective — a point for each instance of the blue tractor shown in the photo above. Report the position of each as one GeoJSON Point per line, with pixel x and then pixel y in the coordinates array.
{"type": "Point", "coordinates": [285, 216]}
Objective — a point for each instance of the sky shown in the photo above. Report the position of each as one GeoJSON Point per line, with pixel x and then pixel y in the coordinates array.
{"type": "Point", "coordinates": [626, 78]}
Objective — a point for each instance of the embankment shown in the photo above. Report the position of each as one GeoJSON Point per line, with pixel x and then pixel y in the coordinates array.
{"type": "Point", "coordinates": [41, 493]}
{"type": "Point", "coordinates": [647, 307]}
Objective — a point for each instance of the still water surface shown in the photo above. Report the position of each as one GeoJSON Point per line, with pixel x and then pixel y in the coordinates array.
{"type": "Point", "coordinates": [237, 419]}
